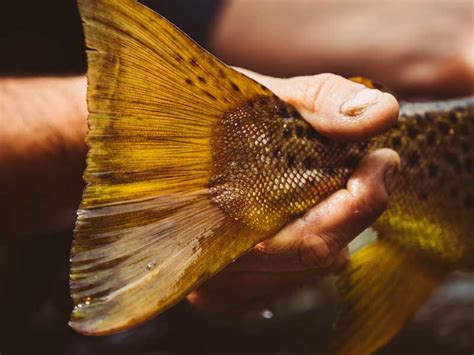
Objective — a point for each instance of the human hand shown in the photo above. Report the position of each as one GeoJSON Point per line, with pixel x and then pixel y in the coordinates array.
{"type": "Point", "coordinates": [314, 244]}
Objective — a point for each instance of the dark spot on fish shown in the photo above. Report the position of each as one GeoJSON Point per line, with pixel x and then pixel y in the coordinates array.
{"type": "Point", "coordinates": [314, 182]}
{"type": "Point", "coordinates": [432, 170]}
{"type": "Point", "coordinates": [464, 129]}
{"type": "Point", "coordinates": [412, 132]}
{"type": "Point", "coordinates": [468, 165]}
{"type": "Point", "coordinates": [422, 196]}
{"type": "Point", "coordinates": [468, 201]}
{"type": "Point", "coordinates": [193, 62]}
{"type": "Point", "coordinates": [208, 94]}
{"type": "Point", "coordinates": [189, 81]}
{"type": "Point", "coordinates": [363, 145]}
{"type": "Point", "coordinates": [453, 118]}
{"type": "Point", "coordinates": [396, 141]}
{"type": "Point", "coordinates": [452, 159]}
{"type": "Point", "coordinates": [234, 86]}
{"type": "Point", "coordinates": [431, 138]}
{"type": "Point", "coordinates": [413, 158]}
{"type": "Point", "coordinates": [430, 117]}
{"type": "Point", "coordinates": [287, 132]}
{"type": "Point", "coordinates": [351, 161]}
{"type": "Point", "coordinates": [179, 58]}
{"type": "Point", "coordinates": [309, 163]}
{"type": "Point", "coordinates": [465, 147]}
{"type": "Point", "coordinates": [283, 112]}
{"type": "Point", "coordinates": [250, 105]}
{"type": "Point", "coordinates": [202, 80]}
{"type": "Point", "coordinates": [443, 127]}
{"type": "Point", "coordinates": [299, 131]}
{"type": "Point", "coordinates": [221, 73]}
{"type": "Point", "coordinates": [420, 120]}
{"type": "Point", "coordinates": [290, 160]}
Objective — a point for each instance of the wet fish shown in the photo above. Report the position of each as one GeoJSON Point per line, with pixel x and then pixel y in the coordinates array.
{"type": "Point", "coordinates": [192, 163]}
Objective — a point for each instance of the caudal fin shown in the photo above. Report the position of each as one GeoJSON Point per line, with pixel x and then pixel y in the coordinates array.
{"type": "Point", "coordinates": [147, 232]}
{"type": "Point", "coordinates": [381, 289]}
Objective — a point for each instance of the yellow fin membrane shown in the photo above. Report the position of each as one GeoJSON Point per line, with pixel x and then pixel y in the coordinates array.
{"type": "Point", "coordinates": [381, 289]}
{"type": "Point", "coordinates": [147, 232]}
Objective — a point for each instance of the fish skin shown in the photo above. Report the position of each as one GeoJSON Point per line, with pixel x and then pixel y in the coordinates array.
{"type": "Point", "coordinates": [431, 206]}
{"type": "Point", "coordinates": [425, 233]}
{"type": "Point", "coordinates": [292, 167]}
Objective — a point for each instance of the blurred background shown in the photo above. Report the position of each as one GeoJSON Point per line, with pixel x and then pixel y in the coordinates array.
{"type": "Point", "coordinates": [419, 49]}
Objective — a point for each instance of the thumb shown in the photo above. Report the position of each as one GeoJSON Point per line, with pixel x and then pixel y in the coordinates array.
{"type": "Point", "coordinates": [334, 106]}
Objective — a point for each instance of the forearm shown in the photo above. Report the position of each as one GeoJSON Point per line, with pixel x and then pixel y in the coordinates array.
{"type": "Point", "coordinates": [296, 37]}
{"type": "Point", "coordinates": [42, 153]}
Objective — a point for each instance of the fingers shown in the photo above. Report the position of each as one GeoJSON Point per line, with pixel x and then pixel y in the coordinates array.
{"type": "Point", "coordinates": [334, 106]}
{"type": "Point", "coordinates": [317, 239]}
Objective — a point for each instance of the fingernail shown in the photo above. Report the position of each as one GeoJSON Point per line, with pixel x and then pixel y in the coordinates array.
{"type": "Point", "coordinates": [390, 177]}
{"type": "Point", "coordinates": [361, 100]}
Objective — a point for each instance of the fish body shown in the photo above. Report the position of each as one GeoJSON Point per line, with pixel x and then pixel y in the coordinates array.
{"type": "Point", "coordinates": [192, 163]}
{"type": "Point", "coordinates": [425, 233]}
{"type": "Point", "coordinates": [431, 207]}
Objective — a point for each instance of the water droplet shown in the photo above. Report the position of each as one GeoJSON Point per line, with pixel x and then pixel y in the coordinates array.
{"type": "Point", "coordinates": [267, 314]}
{"type": "Point", "coordinates": [150, 266]}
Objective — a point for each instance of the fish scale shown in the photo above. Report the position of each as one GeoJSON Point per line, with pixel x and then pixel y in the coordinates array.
{"type": "Point", "coordinates": [267, 184]}
{"type": "Point", "coordinates": [436, 188]}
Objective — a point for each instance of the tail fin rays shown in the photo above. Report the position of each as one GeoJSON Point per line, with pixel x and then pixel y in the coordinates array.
{"type": "Point", "coordinates": [147, 232]}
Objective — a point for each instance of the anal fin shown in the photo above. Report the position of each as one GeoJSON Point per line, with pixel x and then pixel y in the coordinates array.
{"type": "Point", "coordinates": [382, 287]}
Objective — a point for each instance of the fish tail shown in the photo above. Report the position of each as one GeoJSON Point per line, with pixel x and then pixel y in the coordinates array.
{"type": "Point", "coordinates": [380, 290]}
{"type": "Point", "coordinates": [147, 231]}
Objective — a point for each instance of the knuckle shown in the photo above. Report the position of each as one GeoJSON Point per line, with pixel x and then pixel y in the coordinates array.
{"type": "Point", "coordinates": [373, 206]}
{"type": "Point", "coordinates": [316, 87]}
{"type": "Point", "coordinates": [318, 251]}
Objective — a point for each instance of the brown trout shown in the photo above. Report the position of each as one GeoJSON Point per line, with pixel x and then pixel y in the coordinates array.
{"type": "Point", "coordinates": [192, 163]}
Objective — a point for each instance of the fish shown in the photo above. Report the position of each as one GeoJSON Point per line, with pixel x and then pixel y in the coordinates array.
{"type": "Point", "coordinates": [192, 163]}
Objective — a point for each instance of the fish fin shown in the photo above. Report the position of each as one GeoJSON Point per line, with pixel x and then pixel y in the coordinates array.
{"type": "Point", "coordinates": [147, 231]}
{"type": "Point", "coordinates": [380, 289]}
{"type": "Point", "coordinates": [371, 84]}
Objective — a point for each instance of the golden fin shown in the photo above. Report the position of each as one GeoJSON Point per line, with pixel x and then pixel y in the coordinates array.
{"type": "Point", "coordinates": [381, 288]}
{"type": "Point", "coordinates": [372, 84]}
{"type": "Point", "coordinates": [147, 232]}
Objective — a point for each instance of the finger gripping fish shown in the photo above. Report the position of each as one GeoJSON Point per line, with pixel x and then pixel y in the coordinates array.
{"type": "Point", "coordinates": [192, 163]}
